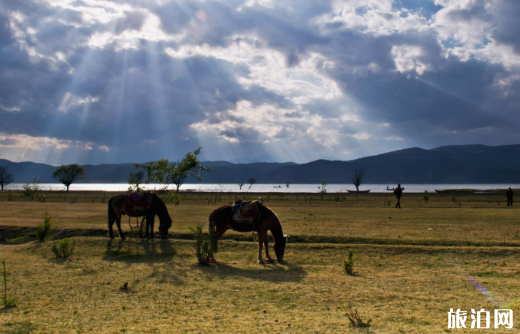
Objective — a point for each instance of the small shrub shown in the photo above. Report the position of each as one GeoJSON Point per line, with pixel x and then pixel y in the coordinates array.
{"type": "Point", "coordinates": [104, 198]}
{"type": "Point", "coordinates": [202, 244]}
{"type": "Point", "coordinates": [174, 198]}
{"type": "Point", "coordinates": [348, 264]}
{"type": "Point", "coordinates": [64, 247]}
{"type": "Point", "coordinates": [426, 196]}
{"type": "Point", "coordinates": [323, 188]}
{"type": "Point", "coordinates": [10, 197]}
{"type": "Point", "coordinates": [389, 203]}
{"type": "Point", "coordinates": [32, 188]}
{"type": "Point", "coordinates": [45, 229]}
{"type": "Point", "coordinates": [7, 300]}
{"type": "Point", "coordinates": [42, 198]}
{"type": "Point", "coordinates": [355, 319]}
{"type": "Point", "coordinates": [454, 199]}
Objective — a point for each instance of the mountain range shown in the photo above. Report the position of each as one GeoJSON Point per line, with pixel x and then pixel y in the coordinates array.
{"type": "Point", "coordinates": [457, 164]}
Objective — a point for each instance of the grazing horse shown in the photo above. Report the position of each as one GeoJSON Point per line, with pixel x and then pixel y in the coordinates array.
{"type": "Point", "coordinates": [221, 219]}
{"type": "Point", "coordinates": [117, 207]}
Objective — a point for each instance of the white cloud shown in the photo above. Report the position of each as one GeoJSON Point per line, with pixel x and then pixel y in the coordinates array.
{"type": "Point", "coordinates": [375, 17]}
{"type": "Point", "coordinates": [409, 58]}
{"type": "Point", "coordinates": [19, 141]}
{"type": "Point", "coordinates": [70, 100]}
{"type": "Point", "coordinates": [301, 83]}
{"type": "Point", "coordinates": [130, 39]}
{"type": "Point", "coordinates": [264, 121]}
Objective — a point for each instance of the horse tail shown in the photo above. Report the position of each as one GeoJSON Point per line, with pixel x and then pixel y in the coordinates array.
{"type": "Point", "coordinates": [111, 214]}
{"type": "Point", "coordinates": [212, 227]}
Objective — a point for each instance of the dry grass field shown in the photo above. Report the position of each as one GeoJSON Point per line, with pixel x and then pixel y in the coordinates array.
{"type": "Point", "coordinates": [412, 265]}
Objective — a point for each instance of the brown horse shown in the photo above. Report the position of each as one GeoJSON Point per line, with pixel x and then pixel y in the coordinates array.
{"type": "Point", "coordinates": [220, 220]}
{"type": "Point", "coordinates": [117, 208]}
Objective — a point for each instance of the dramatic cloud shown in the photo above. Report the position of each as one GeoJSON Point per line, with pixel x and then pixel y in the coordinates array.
{"type": "Point", "coordinates": [86, 81]}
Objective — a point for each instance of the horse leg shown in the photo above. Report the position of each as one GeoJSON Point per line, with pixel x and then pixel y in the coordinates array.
{"type": "Point", "coordinates": [112, 216]}
{"type": "Point", "coordinates": [118, 223]}
{"type": "Point", "coordinates": [150, 220]}
{"type": "Point", "coordinates": [111, 221]}
{"type": "Point", "coordinates": [260, 244]}
{"type": "Point", "coordinates": [267, 256]}
{"type": "Point", "coordinates": [147, 233]}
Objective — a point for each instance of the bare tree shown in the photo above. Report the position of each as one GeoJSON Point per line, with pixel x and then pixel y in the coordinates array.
{"type": "Point", "coordinates": [251, 182]}
{"type": "Point", "coordinates": [287, 184]}
{"type": "Point", "coordinates": [5, 177]}
{"type": "Point", "coordinates": [240, 185]}
{"type": "Point", "coordinates": [357, 178]}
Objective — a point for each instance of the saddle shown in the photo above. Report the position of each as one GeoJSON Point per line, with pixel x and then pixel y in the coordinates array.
{"type": "Point", "coordinates": [139, 201]}
{"type": "Point", "coordinates": [246, 212]}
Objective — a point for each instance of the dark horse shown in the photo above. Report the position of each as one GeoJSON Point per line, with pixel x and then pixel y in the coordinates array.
{"type": "Point", "coordinates": [220, 220]}
{"type": "Point", "coordinates": [117, 208]}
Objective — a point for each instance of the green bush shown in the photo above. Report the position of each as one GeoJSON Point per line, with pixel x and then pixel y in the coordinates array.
{"type": "Point", "coordinates": [202, 244]}
{"type": "Point", "coordinates": [426, 196]}
{"type": "Point", "coordinates": [45, 229]}
{"type": "Point", "coordinates": [42, 198]}
{"type": "Point", "coordinates": [7, 300]}
{"type": "Point", "coordinates": [348, 264]}
{"type": "Point", "coordinates": [175, 198]}
{"type": "Point", "coordinates": [64, 247]}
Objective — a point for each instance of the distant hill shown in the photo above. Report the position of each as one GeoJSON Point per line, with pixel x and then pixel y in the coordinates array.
{"type": "Point", "coordinates": [447, 164]}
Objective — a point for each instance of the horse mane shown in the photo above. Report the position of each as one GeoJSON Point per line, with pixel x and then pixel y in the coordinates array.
{"type": "Point", "coordinates": [271, 213]}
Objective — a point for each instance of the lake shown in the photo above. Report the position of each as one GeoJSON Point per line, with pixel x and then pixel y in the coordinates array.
{"type": "Point", "coordinates": [268, 188]}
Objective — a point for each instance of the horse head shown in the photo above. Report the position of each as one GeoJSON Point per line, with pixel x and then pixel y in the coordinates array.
{"type": "Point", "coordinates": [164, 218]}
{"type": "Point", "coordinates": [165, 226]}
{"type": "Point", "coordinates": [279, 247]}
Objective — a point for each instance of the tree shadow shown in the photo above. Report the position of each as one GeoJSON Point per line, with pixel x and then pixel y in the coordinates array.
{"type": "Point", "coordinates": [279, 272]}
{"type": "Point", "coordinates": [140, 251]}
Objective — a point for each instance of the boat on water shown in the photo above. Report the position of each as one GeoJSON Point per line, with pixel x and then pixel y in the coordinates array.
{"type": "Point", "coordinates": [358, 192]}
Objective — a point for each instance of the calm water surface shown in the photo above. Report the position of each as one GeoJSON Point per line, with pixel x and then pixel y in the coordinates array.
{"type": "Point", "coordinates": [267, 188]}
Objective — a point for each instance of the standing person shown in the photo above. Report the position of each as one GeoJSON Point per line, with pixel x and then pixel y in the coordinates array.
{"type": "Point", "coordinates": [398, 192]}
{"type": "Point", "coordinates": [509, 194]}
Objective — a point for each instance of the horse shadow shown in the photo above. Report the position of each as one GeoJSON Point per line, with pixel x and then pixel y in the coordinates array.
{"type": "Point", "coordinates": [280, 272]}
{"type": "Point", "coordinates": [156, 253]}
{"type": "Point", "coordinates": [140, 251]}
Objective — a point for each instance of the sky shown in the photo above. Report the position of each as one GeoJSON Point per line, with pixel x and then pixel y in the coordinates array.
{"type": "Point", "coordinates": [95, 82]}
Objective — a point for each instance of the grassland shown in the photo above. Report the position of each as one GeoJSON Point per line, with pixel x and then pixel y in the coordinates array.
{"type": "Point", "coordinates": [412, 266]}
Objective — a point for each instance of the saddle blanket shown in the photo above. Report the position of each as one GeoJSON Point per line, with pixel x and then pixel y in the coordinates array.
{"type": "Point", "coordinates": [246, 211]}
{"type": "Point", "coordinates": [139, 201]}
